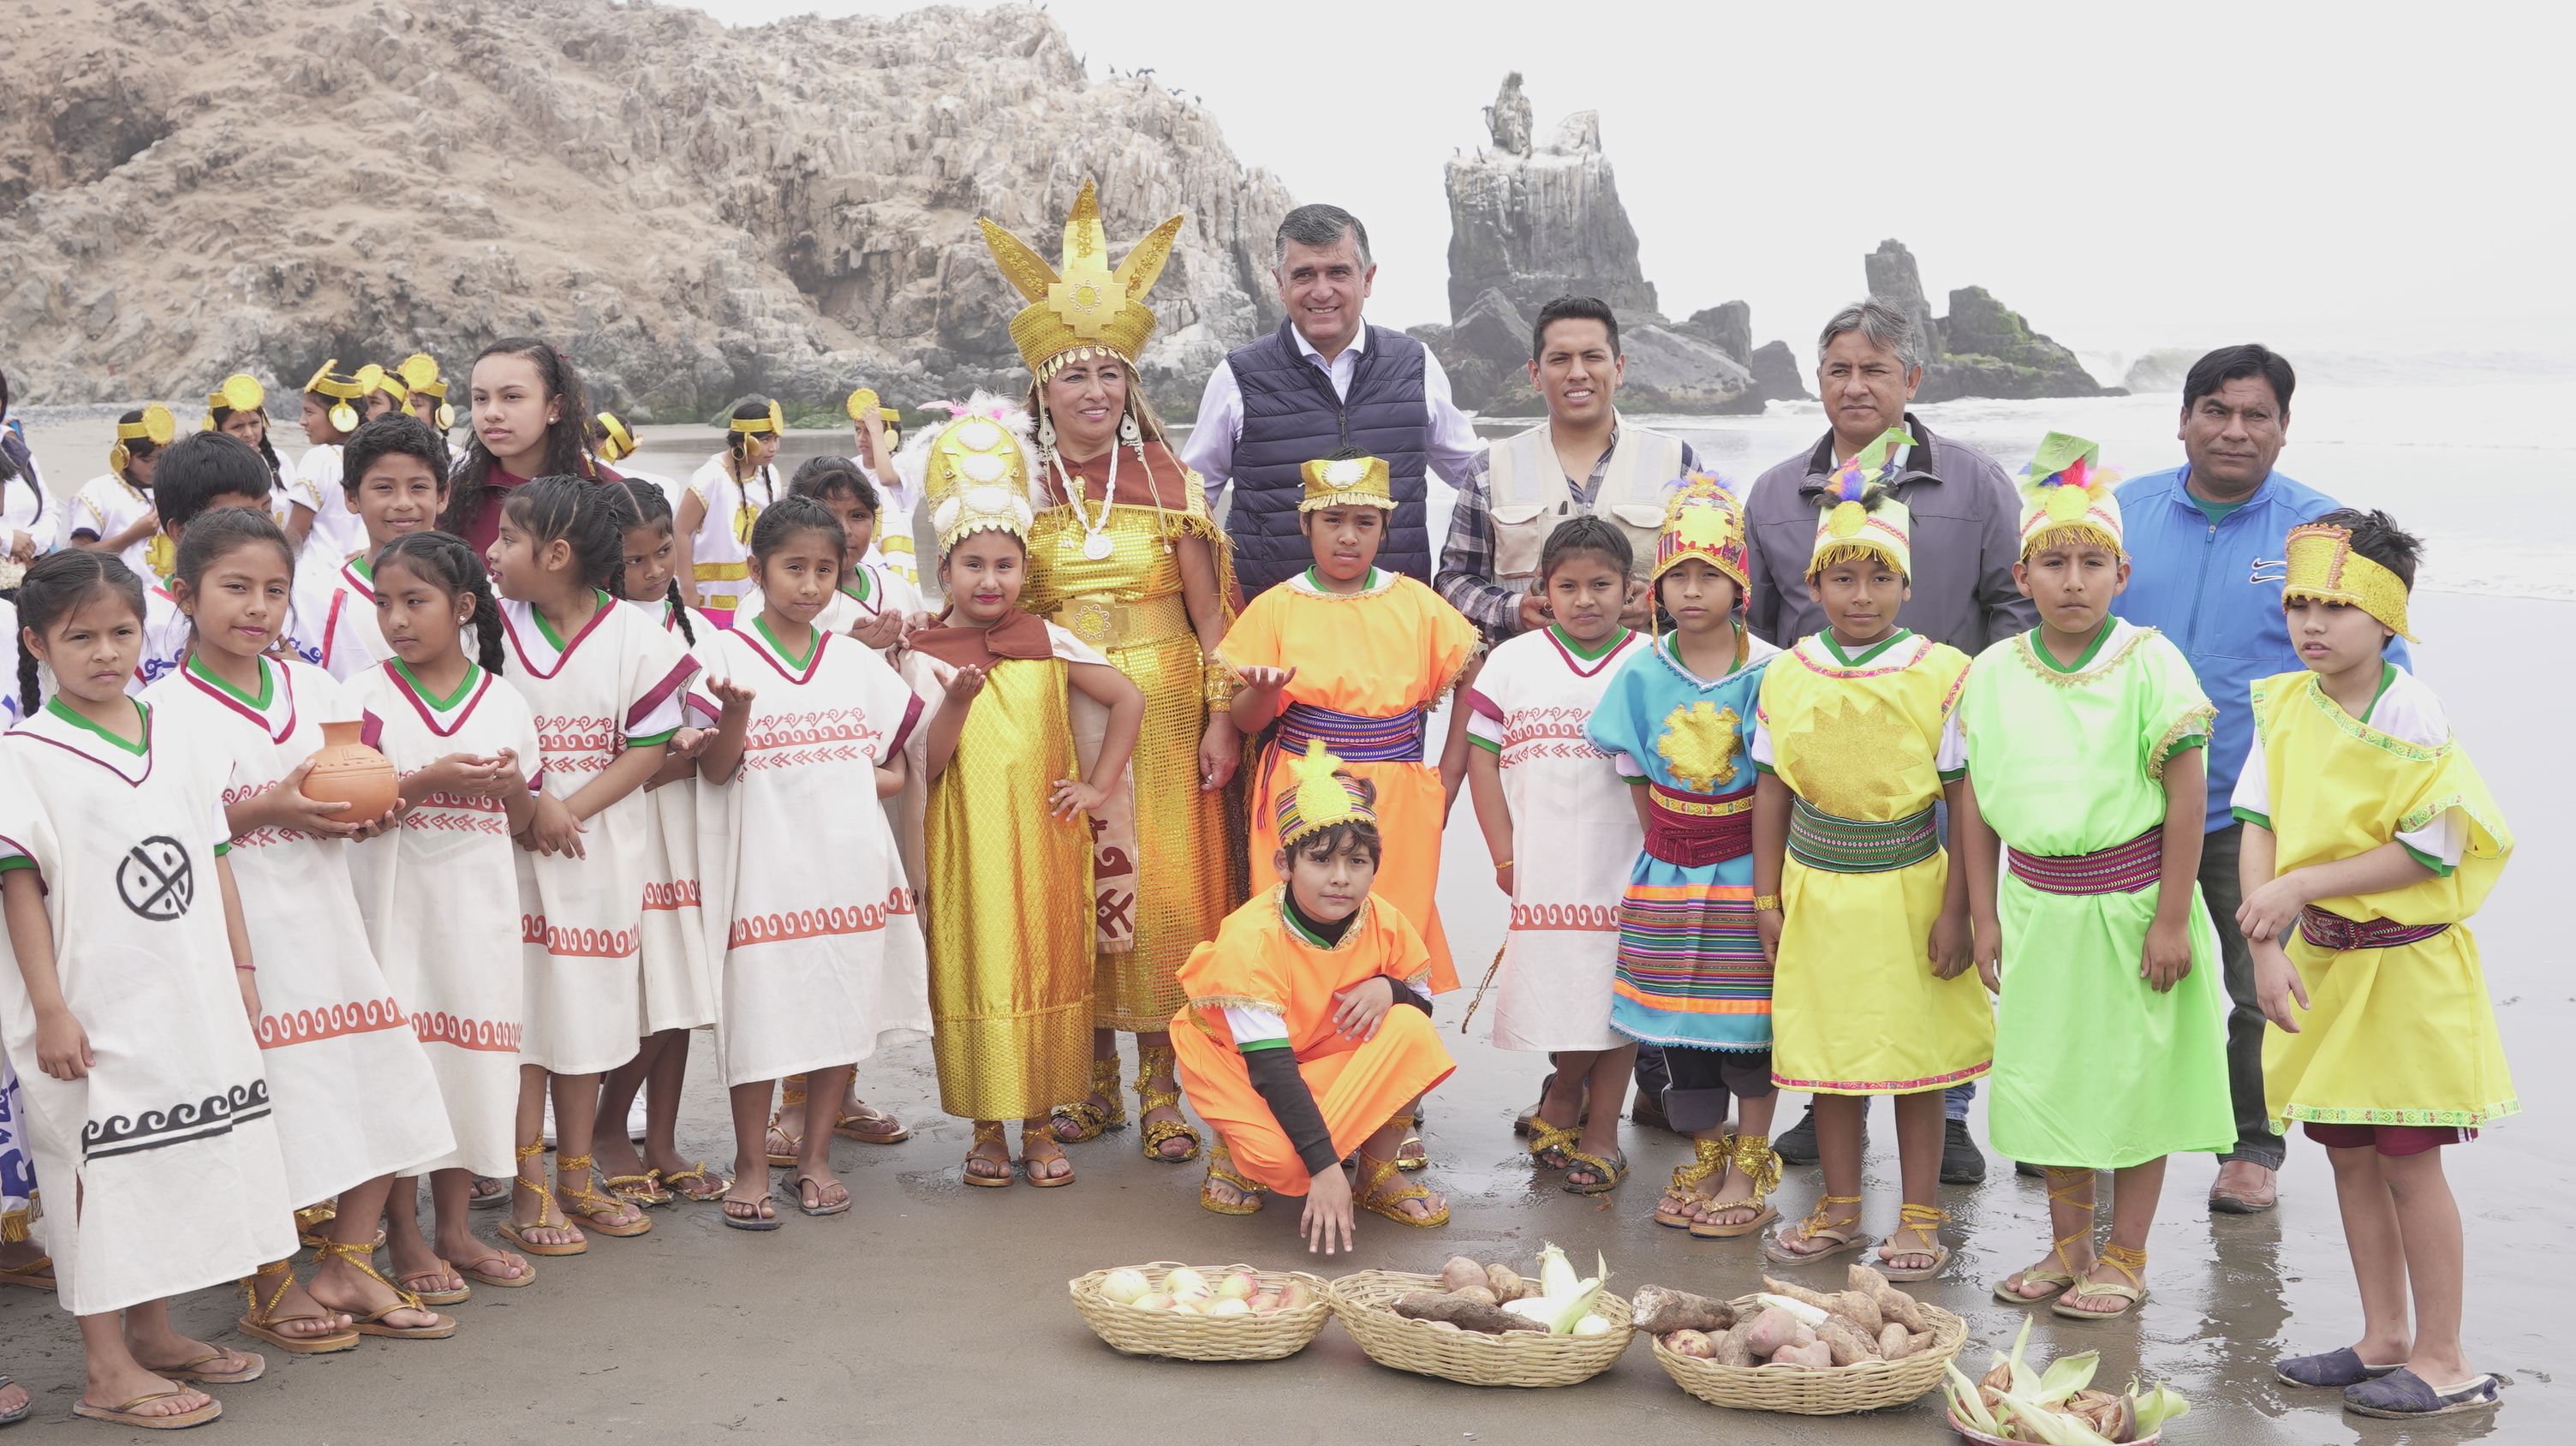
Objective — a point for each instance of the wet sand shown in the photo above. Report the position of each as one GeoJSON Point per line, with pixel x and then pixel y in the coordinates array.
{"type": "Point", "coordinates": [938, 1313]}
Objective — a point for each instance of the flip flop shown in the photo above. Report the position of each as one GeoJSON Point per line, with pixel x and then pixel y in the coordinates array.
{"type": "Point", "coordinates": [476, 1273]}
{"type": "Point", "coordinates": [1545, 1140]}
{"type": "Point", "coordinates": [448, 1295]}
{"type": "Point", "coordinates": [2059, 1281]}
{"type": "Point", "coordinates": [440, 1327]}
{"type": "Point", "coordinates": [494, 1201]}
{"type": "Point", "coordinates": [261, 1322]}
{"type": "Point", "coordinates": [1714, 1230]}
{"type": "Point", "coordinates": [124, 1415]}
{"type": "Point", "coordinates": [989, 1134]}
{"type": "Point", "coordinates": [1846, 1239]}
{"type": "Point", "coordinates": [867, 1114]}
{"type": "Point", "coordinates": [643, 1190]}
{"type": "Point", "coordinates": [1711, 1157]}
{"type": "Point", "coordinates": [2131, 1297]}
{"type": "Point", "coordinates": [187, 1371]}
{"type": "Point", "coordinates": [711, 1185]}
{"type": "Point", "coordinates": [842, 1208]}
{"type": "Point", "coordinates": [1925, 1221]}
{"type": "Point", "coordinates": [12, 1418]}
{"type": "Point", "coordinates": [548, 1217]}
{"type": "Point", "coordinates": [751, 1222]}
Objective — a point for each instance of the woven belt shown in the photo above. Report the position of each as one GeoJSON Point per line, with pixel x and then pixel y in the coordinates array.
{"type": "Point", "coordinates": [1857, 846]}
{"type": "Point", "coordinates": [2119, 869]}
{"type": "Point", "coordinates": [1350, 736]}
{"type": "Point", "coordinates": [1104, 622]}
{"type": "Point", "coordinates": [2329, 930]}
{"type": "Point", "coordinates": [1694, 830]}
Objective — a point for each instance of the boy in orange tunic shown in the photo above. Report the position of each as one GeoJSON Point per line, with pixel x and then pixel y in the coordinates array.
{"type": "Point", "coordinates": [1297, 1045]}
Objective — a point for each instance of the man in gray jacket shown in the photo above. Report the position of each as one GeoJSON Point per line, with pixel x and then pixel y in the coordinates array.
{"type": "Point", "coordinates": [1965, 539]}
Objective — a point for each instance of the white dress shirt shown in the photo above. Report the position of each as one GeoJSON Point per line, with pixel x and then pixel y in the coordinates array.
{"type": "Point", "coordinates": [1453, 443]}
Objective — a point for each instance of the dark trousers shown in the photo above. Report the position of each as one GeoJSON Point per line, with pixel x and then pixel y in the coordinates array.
{"type": "Point", "coordinates": [2220, 888]}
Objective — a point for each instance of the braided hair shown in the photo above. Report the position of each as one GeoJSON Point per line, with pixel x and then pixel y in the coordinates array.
{"type": "Point", "coordinates": [443, 560]}
{"type": "Point", "coordinates": [57, 585]}
{"type": "Point", "coordinates": [651, 507]}
{"type": "Point", "coordinates": [590, 515]}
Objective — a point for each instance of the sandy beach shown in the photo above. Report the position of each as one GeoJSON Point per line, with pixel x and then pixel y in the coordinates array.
{"type": "Point", "coordinates": [936, 1313]}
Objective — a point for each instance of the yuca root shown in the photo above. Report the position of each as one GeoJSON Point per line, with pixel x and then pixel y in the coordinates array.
{"type": "Point", "coordinates": [1660, 1309]}
{"type": "Point", "coordinates": [1465, 1314]}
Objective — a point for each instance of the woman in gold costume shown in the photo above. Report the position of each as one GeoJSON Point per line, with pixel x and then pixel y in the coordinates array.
{"type": "Point", "coordinates": [1124, 555]}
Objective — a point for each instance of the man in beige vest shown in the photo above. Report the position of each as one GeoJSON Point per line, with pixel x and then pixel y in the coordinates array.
{"type": "Point", "coordinates": [1584, 459]}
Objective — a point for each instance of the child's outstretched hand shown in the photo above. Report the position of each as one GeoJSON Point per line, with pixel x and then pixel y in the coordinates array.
{"type": "Point", "coordinates": [690, 742]}
{"type": "Point", "coordinates": [735, 697]}
{"type": "Point", "coordinates": [2166, 960]}
{"type": "Point", "coordinates": [882, 631]}
{"type": "Point", "coordinates": [2270, 911]}
{"type": "Point", "coordinates": [964, 684]}
{"type": "Point", "coordinates": [1266, 680]}
{"type": "Point", "coordinates": [1329, 1219]}
{"type": "Point", "coordinates": [2276, 983]}
{"type": "Point", "coordinates": [554, 830]}
{"type": "Point", "coordinates": [62, 1046]}
{"type": "Point", "coordinates": [1360, 1009]}
{"type": "Point", "coordinates": [1073, 796]}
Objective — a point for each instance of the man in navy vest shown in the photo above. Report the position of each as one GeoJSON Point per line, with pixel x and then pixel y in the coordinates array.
{"type": "Point", "coordinates": [1324, 381]}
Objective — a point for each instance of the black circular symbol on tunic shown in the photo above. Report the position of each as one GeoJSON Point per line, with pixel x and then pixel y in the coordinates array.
{"type": "Point", "coordinates": [156, 879]}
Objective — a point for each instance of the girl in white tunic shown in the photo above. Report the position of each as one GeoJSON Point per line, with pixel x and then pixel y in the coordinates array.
{"type": "Point", "coordinates": [607, 688]}
{"type": "Point", "coordinates": [127, 988]}
{"type": "Point", "coordinates": [1563, 835]}
{"type": "Point", "coordinates": [724, 498]}
{"type": "Point", "coordinates": [112, 512]}
{"type": "Point", "coordinates": [440, 892]}
{"type": "Point", "coordinates": [822, 956]}
{"type": "Point", "coordinates": [679, 988]}
{"type": "Point", "coordinates": [355, 1099]}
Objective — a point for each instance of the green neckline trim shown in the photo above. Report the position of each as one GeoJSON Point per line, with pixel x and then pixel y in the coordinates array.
{"type": "Point", "coordinates": [814, 634]}
{"type": "Point", "coordinates": [1315, 580]}
{"type": "Point", "coordinates": [546, 629]}
{"type": "Point", "coordinates": [365, 568]}
{"type": "Point", "coordinates": [2387, 675]}
{"type": "Point", "coordinates": [1571, 646]}
{"type": "Point", "coordinates": [2083, 660]}
{"type": "Point", "coordinates": [55, 706]}
{"type": "Point", "coordinates": [267, 682]}
{"type": "Point", "coordinates": [436, 703]}
{"type": "Point", "coordinates": [1894, 636]}
{"type": "Point", "coordinates": [866, 586]}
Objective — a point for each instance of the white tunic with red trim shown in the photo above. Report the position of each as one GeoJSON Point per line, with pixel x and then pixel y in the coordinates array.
{"type": "Point", "coordinates": [354, 1094]}
{"type": "Point", "coordinates": [441, 899]}
{"type": "Point", "coordinates": [160, 1166]}
{"type": "Point", "coordinates": [620, 681]}
{"type": "Point", "coordinates": [822, 954]}
{"type": "Point", "coordinates": [679, 980]}
{"type": "Point", "coordinates": [166, 635]}
{"type": "Point", "coordinates": [331, 621]}
{"type": "Point", "coordinates": [1575, 839]}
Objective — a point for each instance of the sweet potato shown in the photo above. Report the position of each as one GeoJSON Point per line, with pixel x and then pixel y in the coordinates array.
{"type": "Point", "coordinates": [1507, 1285]}
{"type": "Point", "coordinates": [1797, 1293]}
{"type": "Point", "coordinates": [1772, 1330]}
{"type": "Point", "coordinates": [1817, 1357]}
{"type": "Point", "coordinates": [1844, 1340]}
{"type": "Point", "coordinates": [1916, 1342]}
{"type": "Point", "coordinates": [1893, 1304]}
{"type": "Point", "coordinates": [1660, 1309]}
{"type": "Point", "coordinates": [1803, 1336]}
{"type": "Point", "coordinates": [1465, 1314]}
{"type": "Point", "coordinates": [1459, 1273]}
{"type": "Point", "coordinates": [1730, 1349]}
{"type": "Point", "coordinates": [1690, 1343]}
{"type": "Point", "coordinates": [1480, 1294]}
{"type": "Point", "coordinates": [1860, 1308]}
{"type": "Point", "coordinates": [1893, 1343]}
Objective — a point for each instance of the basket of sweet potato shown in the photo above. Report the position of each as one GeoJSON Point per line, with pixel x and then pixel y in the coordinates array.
{"type": "Point", "coordinates": [1788, 1348]}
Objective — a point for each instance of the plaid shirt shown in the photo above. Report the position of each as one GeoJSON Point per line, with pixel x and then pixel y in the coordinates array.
{"type": "Point", "coordinates": [1465, 576]}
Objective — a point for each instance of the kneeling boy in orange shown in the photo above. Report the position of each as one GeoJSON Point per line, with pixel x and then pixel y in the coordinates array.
{"type": "Point", "coordinates": [1296, 1044]}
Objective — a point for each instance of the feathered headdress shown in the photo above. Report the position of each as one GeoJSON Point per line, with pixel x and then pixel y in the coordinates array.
{"type": "Point", "coordinates": [1861, 518]}
{"type": "Point", "coordinates": [2066, 497]}
{"type": "Point", "coordinates": [975, 470]}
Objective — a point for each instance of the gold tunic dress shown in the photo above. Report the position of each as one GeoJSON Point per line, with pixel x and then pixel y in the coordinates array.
{"type": "Point", "coordinates": [1129, 606]}
{"type": "Point", "coordinates": [1010, 933]}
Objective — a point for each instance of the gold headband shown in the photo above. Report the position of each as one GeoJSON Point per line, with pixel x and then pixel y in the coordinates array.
{"type": "Point", "coordinates": [2324, 568]}
{"type": "Point", "coordinates": [615, 440]}
{"type": "Point", "coordinates": [342, 391]}
{"type": "Point", "coordinates": [241, 392]}
{"type": "Point", "coordinates": [774, 423]}
{"type": "Point", "coordinates": [419, 371]}
{"type": "Point", "coordinates": [156, 426]}
{"type": "Point", "coordinates": [1346, 482]}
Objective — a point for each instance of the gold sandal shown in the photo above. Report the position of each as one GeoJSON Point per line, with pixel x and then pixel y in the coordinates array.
{"type": "Point", "coordinates": [1374, 1175]}
{"type": "Point", "coordinates": [1920, 1220]}
{"type": "Point", "coordinates": [1090, 1121]}
{"type": "Point", "coordinates": [1819, 1226]}
{"type": "Point", "coordinates": [1712, 1157]}
{"type": "Point", "coordinates": [643, 1190]}
{"type": "Point", "coordinates": [989, 1132]}
{"type": "Point", "coordinates": [591, 1203]}
{"type": "Point", "coordinates": [1151, 1065]}
{"type": "Point", "coordinates": [1753, 1155]}
{"type": "Point", "coordinates": [1220, 1166]}
{"type": "Point", "coordinates": [2131, 1263]}
{"type": "Point", "coordinates": [372, 1323]}
{"type": "Point", "coordinates": [710, 1185]}
{"type": "Point", "coordinates": [36, 1274]}
{"type": "Point", "coordinates": [791, 1096]}
{"type": "Point", "coordinates": [1544, 1140]}
{"type": "Point", "coordinates": [313, 1221]}
{"type": "Point", "coordinates": [547, 1217]}
{"type": "Point", "coordinates": [260, 1319]}
{"type": "Point", "coordinates": [439, 1294]}
{"type": "Point", "coordinates": [2062, 1185]}
{"type": "Point", "coordinates": [1044, 1133]}
{"type": "Point", "coordinates": [893, 1133]}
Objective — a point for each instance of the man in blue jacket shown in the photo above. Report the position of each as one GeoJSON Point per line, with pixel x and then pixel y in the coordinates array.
{"type": "Point", "coordinates": [2207, 541]}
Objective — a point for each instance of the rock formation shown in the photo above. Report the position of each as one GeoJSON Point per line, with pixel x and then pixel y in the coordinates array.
{"type": "Point", "coordinates": [197, 186]}
{"type": "Point", "coordinates": [1983, 348]}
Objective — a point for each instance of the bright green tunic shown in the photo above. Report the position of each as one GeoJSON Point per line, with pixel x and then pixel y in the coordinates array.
{"type": "Point", "coordinates": [2093, 1067]}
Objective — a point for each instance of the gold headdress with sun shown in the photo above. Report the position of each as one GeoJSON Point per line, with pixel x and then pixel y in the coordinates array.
{"type": "Point", "coordinates": [976, 474]}
{"type": "Point", "coordinates": [615, 441]}
{"type": "Point", "coordinates": [342, 391]}
{"type": "Point", "coordinates": [241, 392]}
{"type": "Point", "coordinates": [1703, 519]}
{"type": "Point", "coordinates": [156, 426]}
{"type": "Point", "coordinates": [419, 371]}
{"type": "Point", "coordinates": [1086, 309]}
{"type": "Point", "coordinates": [1346, 482]}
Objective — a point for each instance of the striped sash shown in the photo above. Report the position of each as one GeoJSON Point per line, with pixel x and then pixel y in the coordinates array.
{"type": "Point", "coordinates": [1352, 737]}
{"type": "Point", "coordinates": [2328, 930]}
{"type": "Point", "coordinates": [2119, 869]}
{"type": "Point", "coordinates": [1694, 830]}
{"type": "Point", "coordinates": [1837, 845]}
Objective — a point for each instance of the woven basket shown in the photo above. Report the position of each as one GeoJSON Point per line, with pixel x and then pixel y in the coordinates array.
{"type": "Point", "coordinates": [1980, 1437]}
{"type": "Point", "coordinates": [1201, 1337]}
{"type": "Point", "coordinates": [1832, 1392]}
{"type": "Point", "coordinates": [1365, 1303]}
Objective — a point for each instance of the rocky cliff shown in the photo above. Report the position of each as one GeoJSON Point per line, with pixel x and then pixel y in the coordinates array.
{"type": "Point", "coordinates": [1983, 348]}
{"type": "Point", "coordinates": [189, 187]}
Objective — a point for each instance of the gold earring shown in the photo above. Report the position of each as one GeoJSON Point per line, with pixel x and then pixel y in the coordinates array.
{"type": "Point", "coordinates": [344, 417]}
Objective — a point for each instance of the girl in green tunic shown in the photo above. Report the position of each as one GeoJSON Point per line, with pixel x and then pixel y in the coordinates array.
{"type": "Point", "coordinates": [2083, 738]}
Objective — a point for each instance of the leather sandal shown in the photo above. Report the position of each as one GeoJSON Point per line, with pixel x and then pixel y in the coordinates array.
{"type": "Point", "coordinates": [36, 1274]}
{"type": "Point", "coordinates": [989, 1132]}
{"type": "Point", "coordinates": [1091, 1121]}
{"type": "Point", "coordinates": [372, 1323]}
{"type": "Point", "coordinates": [1819, 1226]}
{"type": "Point", "coordinates": [643, 1191]}
{"type": "Point", "coordinates": [260, 1319]}
{"type": "Point", "coordinates": [709, 1185]}
{"type": "Point", "coordinates": [438, 1294]}
{"type": "Point", "coordinates": [1753, 1155]}
{"type": "Point", "coordinates": [2131, 1263]}
{"type": "Point", "coordinates": [2062, 1185]}
{"type": "Point", "coordinates": [1044, 1134]}
{"type": "Point", "coordinates": [1151, 1065]}
{"type": "Point", "coordinates": [1712, 1156]}
{"type": "Point", "coordinates": [548, 1218]}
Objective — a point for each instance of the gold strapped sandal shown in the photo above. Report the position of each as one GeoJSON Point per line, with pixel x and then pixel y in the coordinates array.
{"type": "Point", "coordinates": [1090, 1121]}
{"type": "Point", "coordinates": [642, 1190]}
{"type": "Point", "coordinates": [989, 1132]}
{"type": "Point", "coordinates": [260, 1319]}
{"type": "Point", "coordinates": [1151, 1065]}
{"type": "Point", "coordinates": [1545, 1140]}
{"type": "Point", "coordinates": [1819, 1225]}
{"type": "Point", "coordinates": [547, 1217]}
{"type": "Point", "coordinates": [708, 1185]}
{"type": "Point", "coordinates": [372, 1323]}
{"type": "Point", "coordinates": [1753, 1155]}
{"type": "Point", "coordinates": [1712, 1157]}
{"type": "Point", "coordinates": [780, 1145]}
{"type": "Point", "coordinates": [591, 1204]}
{"type": "Point", "coordinates": [1043, 1132]}
{"type": "Point", "coordinates": [1375, 1175]}
{"type": "Point", "coordinates": [2062, 1187]}
{"type": "Point", "coordinates": [1220, 1166]}
{"type": "Point", "coordinates": [871, 1126]}
{"type": "Point", "coordinates": [2131, 1263]}
{"type": "Point", "coordinates": [312, 1225]}
{"type": "Point", "coordinates": [1922, 1221]}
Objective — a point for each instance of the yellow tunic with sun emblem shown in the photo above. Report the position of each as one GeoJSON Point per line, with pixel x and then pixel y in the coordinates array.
{"type": "Point", "coordinates": [1866, 741]}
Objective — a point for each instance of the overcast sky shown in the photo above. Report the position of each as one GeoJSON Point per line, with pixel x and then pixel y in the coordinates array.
{"type": "Point", "coordinates": [2334, 176]}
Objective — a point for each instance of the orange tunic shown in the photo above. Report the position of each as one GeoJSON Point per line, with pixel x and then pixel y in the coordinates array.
{"type": "Point", "coordinates": [1258, 961]}
{"type": "Point", "coordinates": [1389, 651]}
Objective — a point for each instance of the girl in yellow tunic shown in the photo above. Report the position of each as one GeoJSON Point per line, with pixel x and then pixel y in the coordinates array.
{"type": "Point", "coordinates": [1355, 657]}
{"type": "Point", "coordinates": [1007, 889]}
{"type": "Point", "coordinates": [2370, 840]}
{"type": "Point", "coordinates": [1123, 554]}
{"type": "Point", "coordinates": [1866, 924]}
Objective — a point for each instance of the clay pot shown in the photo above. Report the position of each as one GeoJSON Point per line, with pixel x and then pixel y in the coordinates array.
{"type": "Point", "coordinates": [348, 771]}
